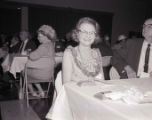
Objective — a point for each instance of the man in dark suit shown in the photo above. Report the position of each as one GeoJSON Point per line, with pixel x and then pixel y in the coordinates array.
{"type": "Point", "coordinates": [130, 59]}
{"type": "Point", "coordinates": [25, 44]}
{"type": "Point", "coordinates": [21, 48]}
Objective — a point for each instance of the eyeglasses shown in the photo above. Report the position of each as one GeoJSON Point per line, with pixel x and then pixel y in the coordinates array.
{"type": "Point", "coordinates": [87, 33]}
{"type": "Point", "coordinates": [147, 26]}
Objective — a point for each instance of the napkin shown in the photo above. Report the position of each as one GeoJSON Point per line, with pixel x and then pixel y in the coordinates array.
{"type": "Point", "coordinates": [144, 75]}
{"type": "Point", "coordinates": [130, 96]}
{"type": "Point", "coordinates": [114, 95]}
{"type": "Point", "coordinates": [133, 96]}
{"type": "Point", "coordinates": [86, 83]}
{"type": "Point", "coordinates": [148, 94]}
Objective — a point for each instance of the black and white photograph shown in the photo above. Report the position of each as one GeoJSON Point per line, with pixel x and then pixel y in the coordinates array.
{"type": "Point", "coordinates": [75, 60]}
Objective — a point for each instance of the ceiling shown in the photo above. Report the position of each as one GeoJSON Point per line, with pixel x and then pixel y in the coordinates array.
{"type": "Point", "coordinates": [14, 5]}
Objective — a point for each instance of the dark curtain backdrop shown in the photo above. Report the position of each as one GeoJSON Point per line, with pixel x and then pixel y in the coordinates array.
{"type": "Point", "coordinates": [9, 20]}
{"type": "Point", "coordinates": [64, 19]}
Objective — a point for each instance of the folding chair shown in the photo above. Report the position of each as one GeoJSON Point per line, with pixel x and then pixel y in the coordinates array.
{"type": "Point", "coordinates": [58, 85]}
{"type": "Point", "coordinates": [113, 74]}
{"type": "Point", "coordinates": [32, 81]}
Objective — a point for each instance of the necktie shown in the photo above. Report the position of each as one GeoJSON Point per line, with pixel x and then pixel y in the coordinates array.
{"type": "Point", "coordinates": [22, 44]}
{"type": "Point", "coordinates": [147, 58]}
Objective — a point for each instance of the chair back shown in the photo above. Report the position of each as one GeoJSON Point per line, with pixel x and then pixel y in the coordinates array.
{"type": "Point", "coordinates": [58, 82]}
{"type": "Point", "coordinates": [29, 80]}
{"type": "Point", "coordinates": [58, 85]}
{"type": "Point", "coordinates": [113, 73]}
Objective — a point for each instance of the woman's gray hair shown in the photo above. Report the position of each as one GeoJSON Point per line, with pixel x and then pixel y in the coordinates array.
{"type": "Point", "coordinates": [89, 21]}
{"type": "Point", "coordinates": [48, 31]}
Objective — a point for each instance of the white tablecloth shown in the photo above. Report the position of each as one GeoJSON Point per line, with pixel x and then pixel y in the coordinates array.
{"type": "Point", "coordinates": [18, 64]}
{"type": "Point", "coordinates": [6, 63]}
{"type": "Point", "coordinates": [79, 103]}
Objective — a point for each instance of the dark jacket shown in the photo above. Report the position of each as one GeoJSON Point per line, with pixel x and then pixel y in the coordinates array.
{"type": "Point", "coordinates": [30, 45]}
{"type": "Point", "coordinates": [129, 54]}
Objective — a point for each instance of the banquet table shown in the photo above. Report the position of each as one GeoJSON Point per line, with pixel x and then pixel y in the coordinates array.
{"type": "Point", "coordinates": [17, 66]}
{"type": "Point", "coordinates": [75, 102]}
{"type": "Point", "coordinates": [19, 62]}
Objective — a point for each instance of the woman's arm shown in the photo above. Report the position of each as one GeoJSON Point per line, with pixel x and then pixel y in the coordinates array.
{"type": "Point", "coordinates": [67, 66]}
{"type": "Point", "coordinates": [41, 51]}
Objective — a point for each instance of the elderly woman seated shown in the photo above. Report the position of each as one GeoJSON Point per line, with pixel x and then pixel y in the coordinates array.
{"type": "Point", "coordinates": [40, 65]}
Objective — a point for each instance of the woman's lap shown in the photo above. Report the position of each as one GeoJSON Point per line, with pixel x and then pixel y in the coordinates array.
{"type": "Point", "coordinates": [39, 73]}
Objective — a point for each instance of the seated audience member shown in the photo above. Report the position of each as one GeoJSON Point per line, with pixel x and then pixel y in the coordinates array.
{"type": "Point", "coordinates": [42, 60]}
{"type": "Point", "coordinates": [106, 39]}
{"type": "Point", "coordinates": [59, 46]}
{"type": "Point", "coordinates": [24, 46]}
{"type": "Point", "coordinates": [3, 80]}
{"type": "Point", "coordinates": [120, 42]}
{"type": "Point", "coordinates": [3, 54]}
{"type": "Point", "coordinates": [26, 43]}
{"type": "Point", "coordinates": [70, 36]}
{"type": "Point", "coordinates": [59, 49]}
{"type": "Point", "coordinates": [82, 63]}
{"type": "Point", "coordinates": [5, 76]}
{"type": "Point", "coordinates": [2, 39]}
{"type": "Point", "coordinates": [134, 58]}
{"type": "Point", "coordinates": [13, 42]}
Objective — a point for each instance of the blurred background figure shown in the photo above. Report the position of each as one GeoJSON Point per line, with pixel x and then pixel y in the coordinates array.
{"type": "Point", "coordinates": [3, 54]}
{"type": "Point", "coordinates": [2, 39]}
{"type": "Point", "coordinates": [106, 39]}
{"type": "Point", "coordinates": [60, 45]}
{"type": "Point", "coordinates": [122, 38]}
{"type": "Point", "coordinates": [13, 45]}
{"type": "Point", "coordinates": [4, 77]}
{"type": "Point", "coordinates": [26, 43]}
{"type": "Point", "coordinates": [70, 36]}
{"type": "Point", "coordinates": [22, 45]}
{"type": "Point", "coordinates": [120, 42]}
{"type": "Point", "coordinates": [40, 65]}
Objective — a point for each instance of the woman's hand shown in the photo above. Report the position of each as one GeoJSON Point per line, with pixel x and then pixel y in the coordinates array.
{"type": "Point", "coordinates": [28, 52]}
{"type": "Point", "coordinates": [130, 72]}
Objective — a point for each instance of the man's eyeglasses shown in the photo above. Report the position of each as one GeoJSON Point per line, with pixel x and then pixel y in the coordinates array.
{"type": "Point", "coordinates": [87, 32]}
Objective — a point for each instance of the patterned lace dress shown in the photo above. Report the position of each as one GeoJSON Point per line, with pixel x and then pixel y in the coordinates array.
{"type": "Point", "coordinates": [83, 71]}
